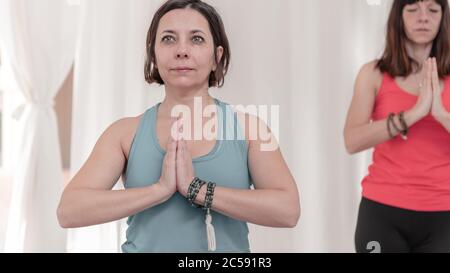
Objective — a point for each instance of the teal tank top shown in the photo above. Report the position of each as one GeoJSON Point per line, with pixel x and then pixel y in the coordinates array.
{"type": "Point", "coordinates": [176, 226]}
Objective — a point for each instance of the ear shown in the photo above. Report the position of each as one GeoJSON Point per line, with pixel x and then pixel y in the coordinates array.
{"type": "Point", "coordinates": [219, 54]}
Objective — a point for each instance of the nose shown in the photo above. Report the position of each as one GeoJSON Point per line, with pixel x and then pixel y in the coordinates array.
{"type": "Point", "coordinates": [182, 51]}
{"type": "Point", "coordinates": [423, 15]}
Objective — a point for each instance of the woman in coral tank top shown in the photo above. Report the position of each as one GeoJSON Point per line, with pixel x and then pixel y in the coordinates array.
{"type": "Point", "coordinates": [401, 107]}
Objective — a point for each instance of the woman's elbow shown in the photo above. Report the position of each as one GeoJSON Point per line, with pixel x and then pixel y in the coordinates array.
{"type": "Point", "coordinates": [350, 147]}
{"type": "Point", "coordinates": [64, 218]}
{"type": "Point", "coordinates": [351, 150]}
{"type": "Point", "coordinates": [292, 209]}
{"type": "Point", "coordinates": [352, 143]}
{"type": "Point", "coordinates": [291, 215]}
{"type": "Point", "coordinates": [293, 218]}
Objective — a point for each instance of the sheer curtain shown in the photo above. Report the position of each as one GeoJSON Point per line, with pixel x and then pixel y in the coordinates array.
{"type": "Point", "coordinates": [301, 55]}
{"type": "Point", "coordinates": [108, 85]}
{"type": "Point", "coordinates": [37, 38]}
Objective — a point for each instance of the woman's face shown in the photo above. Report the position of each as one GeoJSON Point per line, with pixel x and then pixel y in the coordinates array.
{"type": "Point", "coordinates": [184, 49]}
{"type": "Point", "coordinates": [422, 21]}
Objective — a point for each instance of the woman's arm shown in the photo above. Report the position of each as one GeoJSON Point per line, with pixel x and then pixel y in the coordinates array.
{"type": "Point", "coordinates": [444, 120]}
{"type": "Point", "coordinates": [275, 200]}
{"type": "Point", "coordinates": [438, 110]}
{"type": "Point", "coordinates": [360, 132]}
{"type": "Point", "coordinates": [89, 198]}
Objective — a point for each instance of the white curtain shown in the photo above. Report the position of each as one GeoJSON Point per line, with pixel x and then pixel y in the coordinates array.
{"type": "Point", "coordinates": [299, 54]}
{"type": "Point", "coordinates": [38, 39]}
{"type": "Point", "coordinates": [108, 85]}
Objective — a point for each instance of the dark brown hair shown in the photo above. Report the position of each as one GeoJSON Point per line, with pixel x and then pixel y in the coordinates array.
{"type": "Point", "coordinates": [396, 61]}
{"type": "Point", "coordinates": [217, 77]}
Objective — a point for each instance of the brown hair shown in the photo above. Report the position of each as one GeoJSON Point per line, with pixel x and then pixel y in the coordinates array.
{"type": "Point", "coordinates": [396, 61]}
{"type": "Point", "coordinates": [217, 77]}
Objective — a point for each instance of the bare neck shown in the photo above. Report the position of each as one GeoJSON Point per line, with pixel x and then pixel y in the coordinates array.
{"type": "Point", "coordinates": [191, 98]}
{"type": "Point", "coordinates": [419, 52]}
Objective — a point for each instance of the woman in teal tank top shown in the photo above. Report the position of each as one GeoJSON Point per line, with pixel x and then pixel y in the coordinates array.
{"type": "Point", "coordinates": [185, 193]}
{"type": "Point", "coordinates": [175, 224]}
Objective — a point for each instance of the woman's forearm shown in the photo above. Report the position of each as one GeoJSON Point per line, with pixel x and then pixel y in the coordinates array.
{"type": "Point", "coordinates": [86, 207]}
{"type": "Point", "coordinates": [266, 207]}
{"type": "Point", "coordinates": [445, 122]}
{"type": "Point", "coordinates": [367, 136]}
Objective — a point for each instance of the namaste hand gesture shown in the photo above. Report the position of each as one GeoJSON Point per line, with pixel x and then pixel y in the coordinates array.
{"type": "Point", "coordinates": [177, 170]}
{"type": "Point", "coordinates": [430, 97]}
{"type": "Point", "coordinates": [438, 110]}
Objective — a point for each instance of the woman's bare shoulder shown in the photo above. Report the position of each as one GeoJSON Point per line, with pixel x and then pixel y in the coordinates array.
{"type": "Point", "coordinates": [370, 75]}
{"type": "Point", "coordinates": [129, 123]}
{"type": "Point", "coordinates": [127, 127]}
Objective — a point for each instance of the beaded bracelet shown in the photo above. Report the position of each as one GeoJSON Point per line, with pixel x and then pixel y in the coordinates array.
{"type": "Point", "coordinates": [194, 189]}
{"type": "Point", "coordinates": [389, 121]}
{"type": "Point", "coordinates": [209, 195]}
{"type": "Point", "coordinates": [403, 131]}
{"type": "Point", "coordinates": [192, 185]}
{"type": "Point", "coordinates": [405, 128]}
{"type": "Point", "coordinates": [395, 125]}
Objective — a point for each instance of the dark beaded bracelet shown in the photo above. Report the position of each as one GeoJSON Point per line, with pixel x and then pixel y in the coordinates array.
{"type": "Point", "coordinates": [390, 120]}
{"type": "Point", "coordinates": [395, 125]}
{"type": "Point", "coordinates": [194, 189]}
{"type": "Point", "coordinates": [405, 128]}
{"type": "Point", "coordinates": [192, 185]}
{"type": "Point", "coordinates": [209, 195]}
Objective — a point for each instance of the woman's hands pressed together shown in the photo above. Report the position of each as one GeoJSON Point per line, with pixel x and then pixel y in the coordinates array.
{"type": "Point", "coordinates": [425, 97]}
{"type": "Point", "coordinates": [177, 170]}
{"type": "Point", "coordinates": [274, 201]}
{"type": "Point", "coordinates": [430, 97]}
{"type": "Point", "coordinates": [438, 110]}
